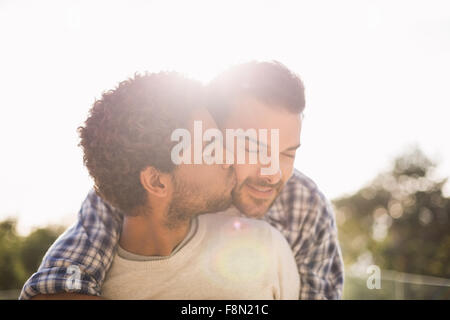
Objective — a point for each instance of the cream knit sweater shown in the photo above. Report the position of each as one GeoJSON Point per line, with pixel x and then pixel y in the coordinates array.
{"type": "Point", "coordinates": [228, 257]}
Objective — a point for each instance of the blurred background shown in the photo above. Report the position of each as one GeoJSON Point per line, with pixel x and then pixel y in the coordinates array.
{"type": "Point", "coordinates": [375, 135]}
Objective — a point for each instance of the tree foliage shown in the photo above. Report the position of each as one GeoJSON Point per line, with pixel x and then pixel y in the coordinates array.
{"type": "Point", "coordinates": [20, 256]}
{"type": "Point", "coordinates": [401, 219]}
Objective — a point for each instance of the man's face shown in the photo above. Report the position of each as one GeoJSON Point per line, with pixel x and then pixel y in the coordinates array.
{"type": "Point", "coordinates": [200, 188]}
{"type": "Point", "coordinates": [254, 193]}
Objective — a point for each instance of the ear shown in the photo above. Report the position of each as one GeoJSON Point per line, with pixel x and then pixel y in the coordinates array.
{"type": "Point", "coordinates": [155, 182]}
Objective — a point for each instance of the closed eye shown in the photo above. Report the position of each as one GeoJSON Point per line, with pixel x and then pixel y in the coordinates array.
{"type": "Point", "coordinates": [291, 149]}
{"type": "Point", "coordinates": [289, 155]}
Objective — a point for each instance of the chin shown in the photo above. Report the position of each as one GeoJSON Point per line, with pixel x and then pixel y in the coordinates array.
{"type": "Point", "coordinates": [255, 215]}
{"type": "Point", "coordinates": [254, 210]}
{"type": "Point", "coordinates": [252, 207]}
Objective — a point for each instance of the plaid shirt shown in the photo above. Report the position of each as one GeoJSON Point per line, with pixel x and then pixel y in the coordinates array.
{"type": "Point", "coordinates": [301, 213]}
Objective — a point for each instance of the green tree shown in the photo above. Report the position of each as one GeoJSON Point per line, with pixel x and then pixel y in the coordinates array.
{"type": "Point", "coordinates": [11, 269]}
{"type": "Point", "coordinates": [20, 256]}
{"type": "Point", "coordinates": [401, 219]}
{"type": "Point", "coordinates": [34, 247]}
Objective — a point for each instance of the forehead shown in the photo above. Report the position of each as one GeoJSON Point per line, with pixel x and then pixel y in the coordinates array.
{"type": "Point", "coordinates": [249, 113]}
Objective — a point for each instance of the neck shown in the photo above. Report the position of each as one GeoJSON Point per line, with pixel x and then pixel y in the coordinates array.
{"type": "Point", "coordinates": [149, 235]}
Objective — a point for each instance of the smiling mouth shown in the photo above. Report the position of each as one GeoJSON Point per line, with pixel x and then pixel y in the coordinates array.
{"type": "Point", "coordinates": [259, 191]}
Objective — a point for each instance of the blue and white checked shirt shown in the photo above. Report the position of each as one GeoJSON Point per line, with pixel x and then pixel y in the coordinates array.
{"type": "Point", "coordinates": [301, 213]}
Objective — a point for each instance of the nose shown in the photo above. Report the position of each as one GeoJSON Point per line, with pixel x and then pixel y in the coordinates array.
{"type": "Point", "coordinates": [272, 178]}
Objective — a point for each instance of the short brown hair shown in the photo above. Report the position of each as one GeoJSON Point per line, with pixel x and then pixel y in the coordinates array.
{"type": "Point", "coordinates": [269, 81]}
{"type": "Point", "coordinates": [129, 129]}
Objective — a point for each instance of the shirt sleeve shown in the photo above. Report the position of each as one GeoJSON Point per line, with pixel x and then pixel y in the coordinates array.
{"type": "Point", "coordinates": [79, 259]}
{"type": "Point", "coordinates": [305, 217]}
{"type": "Point", "coordinates": [319, 257]}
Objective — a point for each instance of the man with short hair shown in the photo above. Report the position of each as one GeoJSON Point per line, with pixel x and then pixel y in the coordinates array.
{"type": "Point", "coordinates": [264, 95]}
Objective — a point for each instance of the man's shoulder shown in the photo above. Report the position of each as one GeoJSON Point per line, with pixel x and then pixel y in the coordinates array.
{"type": "Point", "coordinates": [301, 205]}
{"type": "Point", "coordinates": [302, 189]}
{"type": "Point", "coordinates": [300, 182]}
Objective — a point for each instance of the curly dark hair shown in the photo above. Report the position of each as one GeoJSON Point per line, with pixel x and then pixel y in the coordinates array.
{"type": "Point", "coordinates": [129, 129]}
{"type": "Point", "coordinates": [268, 81]}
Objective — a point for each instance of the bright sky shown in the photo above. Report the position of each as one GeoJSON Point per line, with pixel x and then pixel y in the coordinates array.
{"type": "Point", "coordinates": [377, 75]}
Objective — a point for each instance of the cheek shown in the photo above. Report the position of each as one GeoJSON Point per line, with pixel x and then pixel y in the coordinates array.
{"type": "Point", "coordinates": [211, 171]}
{"type": "Point", "coordinates": [199, 174]}
{"type": "Point", "coordinates": [243, 171]}
{"type": "Point", "coordinates": [287, 167]}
